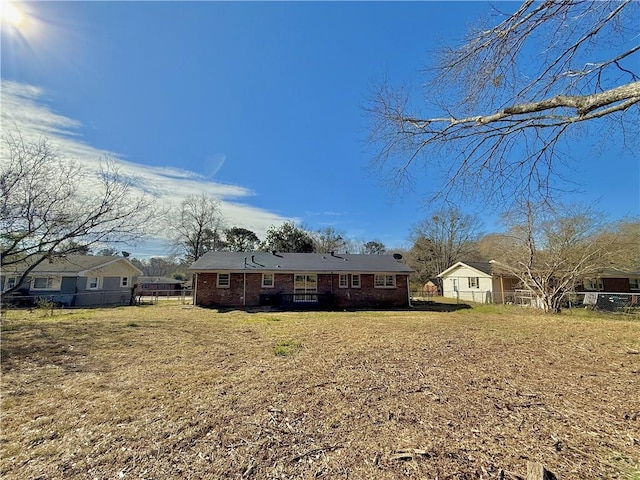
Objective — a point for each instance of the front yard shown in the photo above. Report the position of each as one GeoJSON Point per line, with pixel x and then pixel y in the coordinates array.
{"type": "Point", "coordinates": [168, 391]}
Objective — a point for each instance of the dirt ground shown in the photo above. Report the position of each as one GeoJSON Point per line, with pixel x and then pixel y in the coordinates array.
{"type": "Point", "coordinates": [168, 391]}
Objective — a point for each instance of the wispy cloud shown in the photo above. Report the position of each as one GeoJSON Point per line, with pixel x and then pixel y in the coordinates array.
{"type": "Point", "coordinates": [325, 214]}
{"type": "Point", "coordinates": [24, 109]}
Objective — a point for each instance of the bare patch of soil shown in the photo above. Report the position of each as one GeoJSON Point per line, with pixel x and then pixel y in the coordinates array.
{"type": "Point", "coordinates": [171, 392]}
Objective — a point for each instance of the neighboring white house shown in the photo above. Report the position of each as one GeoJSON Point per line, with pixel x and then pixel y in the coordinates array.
{"type": "Point", "coordinates": [481, 282]}
{"type": "Point", "coordinates": [476, 282]}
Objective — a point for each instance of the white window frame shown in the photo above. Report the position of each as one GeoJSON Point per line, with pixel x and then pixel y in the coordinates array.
{"type": "Point", "coordinates": [634, 284]}
{"type": "Point", "coordinates": [305, 287]}
{"type": "Point", "coordinates": [124, 282]}
{"type": "Point", "coordinates": [225, 284]}
{"type": "Point", "coordinates": [10, 282]}
{"type": "Point", "coordinates": [384, 280]}
{"type": "Point", "coordinates": [343, 280]}
{"type": "Point", "coordinates": [356, 281]}
{"type": "Point", "coordinates": [474, 282]}
{"type": "Point", "coordinates": [53, 283]}
{"type": "Point", "coordinates": [265, 281]}
{"type": "Point", "coordinates": [98, 283]}
{"type": "Point", "coordinates": [593, 284]}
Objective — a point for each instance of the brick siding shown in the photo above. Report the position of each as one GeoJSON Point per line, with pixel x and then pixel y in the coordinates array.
{"type": "Point", "coordinates": [367, 296]}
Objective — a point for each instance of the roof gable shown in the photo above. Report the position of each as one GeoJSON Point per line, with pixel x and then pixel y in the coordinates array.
{"type": "Point", "coordinates": [483, 268]}
{"type": "Point", "coordinates": [298, 262]}
{"type": "Point", "coordinates": [73, 265]}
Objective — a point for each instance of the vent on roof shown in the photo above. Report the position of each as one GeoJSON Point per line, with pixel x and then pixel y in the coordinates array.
{"type": "Point", "coordinates": [397, 256]}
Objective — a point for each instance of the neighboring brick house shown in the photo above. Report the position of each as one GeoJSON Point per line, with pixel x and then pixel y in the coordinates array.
{"type": "Point", "coordinates": [300, 280]}
{"type": "Point", "coordinates": [73, 280]}
{"type": "Point", "coordinates": [614, 281]}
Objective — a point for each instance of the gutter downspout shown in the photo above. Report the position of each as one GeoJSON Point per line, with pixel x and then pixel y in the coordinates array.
{"type": "Point", "coordinates": [244, 282]}
{"type": "Point", "coordinates": [195, 289]}
{"type": "Point", "coordinates": [409, 292]}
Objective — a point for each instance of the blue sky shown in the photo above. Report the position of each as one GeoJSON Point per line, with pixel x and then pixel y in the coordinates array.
{"type": "Point", "coordinates": [259, 104]}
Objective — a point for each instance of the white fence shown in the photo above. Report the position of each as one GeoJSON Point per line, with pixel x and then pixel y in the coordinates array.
{"type": "Point", "coordinates": [158, 296]}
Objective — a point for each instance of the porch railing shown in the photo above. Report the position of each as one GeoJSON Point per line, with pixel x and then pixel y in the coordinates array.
{"type": "Point", "coordinates": [298, 300]}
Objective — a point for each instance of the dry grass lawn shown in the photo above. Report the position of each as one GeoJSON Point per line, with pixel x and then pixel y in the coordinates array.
{"type": "Point", "coordinates": [167, 391]}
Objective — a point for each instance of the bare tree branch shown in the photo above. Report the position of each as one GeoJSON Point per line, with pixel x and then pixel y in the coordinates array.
{"type": "Point", "coordinates": [53, 207]}
{"type": "Point", "coordinates": [532, 105]}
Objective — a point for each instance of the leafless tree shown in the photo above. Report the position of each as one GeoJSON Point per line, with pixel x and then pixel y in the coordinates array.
{"type": "Point", "coordinates": [51, 207]}
{"type": "Point", "coordinates": [328, 239]}
{"type": "Point", "coordinates": [446, 237]}
{"type": "Point", "coordinates": [497, 109]}
{"type": "Point", "coordinates": [195, 227]}
{"type": "Point", "coordinates": [549, 251]}
{"type": "Point", "coordinates": [160, 266]}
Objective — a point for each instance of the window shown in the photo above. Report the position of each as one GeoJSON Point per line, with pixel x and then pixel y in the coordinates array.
{"type": "Point", "coordinates": [10, 282]}
{"type": "Point", "coordinates": [355, 280]}
{"type": "Point", "coordinates": [305, 287]}
{"type": "Point", "coordinates": [634, 283]}
{"type": "Point", "coordinates": [592, 284]}
{"type": "Point", "coordinates": [474, 282]}
{"type": "Point", "coordinates": [343, 280]}
{"type": "Point", "coordinates": [124, 282]}
{"type": "Point", "coordinates": [93, 283]}
{"type": "Point", "coordinates": [384, 281]}
{"type": "Point", "coordinates": [267, 280]}
{"type": "Point", "coordinates": [223, 280]}
{"type": "Point", "coordinates": [46, 283]}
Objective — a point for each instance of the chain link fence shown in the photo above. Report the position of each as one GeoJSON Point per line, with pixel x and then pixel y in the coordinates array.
{"type": "Point", "coordinates": [607, 301]}
{"type": "Point", "coordinates": [103, 298]}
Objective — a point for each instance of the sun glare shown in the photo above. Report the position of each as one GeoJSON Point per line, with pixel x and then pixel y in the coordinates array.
{"type": "Point", "coordinates": [12, 14]}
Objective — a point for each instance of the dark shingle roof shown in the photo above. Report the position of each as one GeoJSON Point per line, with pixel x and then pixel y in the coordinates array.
{"type": "Point", "coordinates": [298, 262]}
{"type": "Point", "coordinates": [67, 264]}
{"type": "Point", "coordinates": [484, 267]}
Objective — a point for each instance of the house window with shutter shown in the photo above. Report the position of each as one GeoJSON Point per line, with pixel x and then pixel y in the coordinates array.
{"type": "Point", "coordinates": [474, 282]}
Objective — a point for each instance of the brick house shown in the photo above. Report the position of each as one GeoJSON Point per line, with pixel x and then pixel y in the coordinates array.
{"type": "Point", "coordinates": [300, 280]}
{"type": "Point", "coordinates": [611, 281]}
